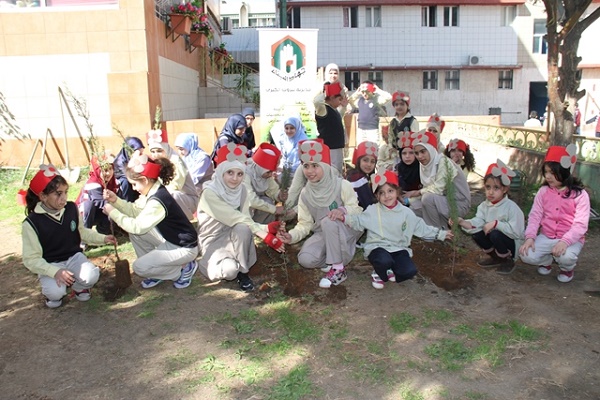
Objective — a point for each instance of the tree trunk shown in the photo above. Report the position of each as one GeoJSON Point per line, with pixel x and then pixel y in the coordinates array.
{"type": "Point", "coordinates": [565, 26]}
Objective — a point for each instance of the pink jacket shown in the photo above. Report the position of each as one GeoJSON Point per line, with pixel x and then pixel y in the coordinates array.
{"type": "Point", "coordinates": [557, 217]}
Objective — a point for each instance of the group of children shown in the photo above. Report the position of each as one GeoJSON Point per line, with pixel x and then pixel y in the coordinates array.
{"type": "Point", "coordinates": [235, 197]}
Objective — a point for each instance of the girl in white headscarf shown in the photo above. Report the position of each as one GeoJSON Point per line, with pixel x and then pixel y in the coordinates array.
{"type": "Point", "coordinates": [436, 170]}
{"type": "Point", "coordinates": [225, 228]}
{"type": "Point", "coordinates": [263, 189]}
{"type": "Point", "coordinates": [323, 202]}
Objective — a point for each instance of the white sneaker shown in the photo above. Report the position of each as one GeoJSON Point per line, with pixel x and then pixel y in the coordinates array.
{"type": "Point", "coordinates": [53, 303]}
{"type": "Point", "coordinates": [376, 280]}
{"type": "Point", "coordinates": [391, 276]}
{"type": "Point", "coordinates": [333, 277]}
{"type": "Point", "coordinates": [565, 276]}
{"type": "Point", "coordinates": [545, 269]}
{"type": "Point", "coordinates": [84, 295]}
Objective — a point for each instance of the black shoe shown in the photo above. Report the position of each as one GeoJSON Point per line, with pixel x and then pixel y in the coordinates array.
{"type": "Point", "coordinates": [245, 282]}
{"type": "Point", "coordinates": [506, 267]}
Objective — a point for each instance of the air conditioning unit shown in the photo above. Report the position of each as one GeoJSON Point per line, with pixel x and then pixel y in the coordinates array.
{"type": "Point", "coordinates": [474, 60]}
{"type": "Point", "coordinates": [226, 25]}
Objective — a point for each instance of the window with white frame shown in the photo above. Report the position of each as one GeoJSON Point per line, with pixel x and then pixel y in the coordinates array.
{"type": "Point", "coordinates": [350, 17]}
{"type": "Point", "coordinates": [540, 46]}
{"type": "Point", "coordinates": [373, 17]}
{"type": "Point", "coordinates": [376, 77]}
{"type": "Point", "coordinates": [509, 13]}
{"type": "Point", "coordinates": [352, 79]}
{"type": "Point", "coordinates": [505, 79]}
{"type": "Point", "coordinates": [428, 16]}
{"type": "Point", "coordinates": [430, 80]}
{"type": "Point", "coordinates": [293, 18]}
{"type": "Point", "coordinates": [453, 79]}
{"type": "Point", "coordinates": [451, 16]}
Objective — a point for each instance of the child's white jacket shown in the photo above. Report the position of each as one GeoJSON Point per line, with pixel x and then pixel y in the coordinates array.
{"type": "Point", "coordinates": [392, 229]}
{"type": "Point", "coordinates": [511, 220]}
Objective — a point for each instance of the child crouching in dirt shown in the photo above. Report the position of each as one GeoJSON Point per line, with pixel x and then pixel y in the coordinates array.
{"type": "Point", "coordinates": [163, 238]}
{"type": "Point", "coordinates": [225, 228]}
{"type": "Point", "coordinates": [560, 211]}
{"type": "Point", "coordinates": [323, 201]}
{"type": "Point", "coordinates": [52, 234]}
{"type": "Point", "coordinates": [499, 223]}
{"type": "Point", "coordinates": [390, 227]}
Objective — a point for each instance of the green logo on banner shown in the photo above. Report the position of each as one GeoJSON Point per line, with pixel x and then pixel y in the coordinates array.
{"type": "Point", "coordinates": [287, 58]}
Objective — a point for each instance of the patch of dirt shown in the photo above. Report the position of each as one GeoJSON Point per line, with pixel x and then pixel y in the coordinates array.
{"type": "Point", "coordinates": [133, 347]}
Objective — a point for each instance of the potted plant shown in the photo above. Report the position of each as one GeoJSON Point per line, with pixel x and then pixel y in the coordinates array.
{"type": "Point", "coordinates": [201, 31]}
{"type": "Point", "coordinates": [182, 16]}
{"type": "Point", "coordinates": [221, 56]}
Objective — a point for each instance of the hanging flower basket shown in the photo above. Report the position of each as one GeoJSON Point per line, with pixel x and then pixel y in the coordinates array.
{"type": "Point", "coordinates": [198, 39]}
{"type": "Point", "coordinates": [181, 24]}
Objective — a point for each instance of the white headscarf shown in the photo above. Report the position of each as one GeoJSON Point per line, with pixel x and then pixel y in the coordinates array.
{"type": "Point", "coordinates": [324, 192]}
{"type": "Point", "coordinates": [428, 172]}
{"type": "Point", "coordinates": [255, 172]}
{"type": "Point", "coordinates": [233, 197]}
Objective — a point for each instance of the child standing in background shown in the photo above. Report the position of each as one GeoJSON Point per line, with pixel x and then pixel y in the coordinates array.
{"type": "Point", "coordinates": [364, 160]}
{"type": "Point", "coordinates": [370, 101]}
{"type": "Point", "coordinates": [325, 198]}
{"type": "Point", "coordinates": [390, 227]}
{"type": "Point", "coordinates": [498, 226]}
{"type": "Point", "coordinates": [52, 234]}
{"type": "Point", "coordinates": [403, 120]}
{"type": "Point", "coordinates": [329, 122]}
{"type": "Point", "coordinates": [560, 212]}
{"type": "Point", "coordinates": [163, 238]}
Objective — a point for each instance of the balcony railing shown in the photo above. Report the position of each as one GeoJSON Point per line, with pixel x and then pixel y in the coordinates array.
{"type": "Point", "coordinates": [588, 148]}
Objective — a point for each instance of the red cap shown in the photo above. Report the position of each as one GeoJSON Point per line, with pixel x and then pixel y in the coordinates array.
{"type": "Point", "coordinates": [364, 149]}
{"type": "Point", "coordinates": [143, 165]}
{"type": "Point", "coordinates": [457, 144]}
{"type": "Point", "coordinates": [267, 156]}
{"type": "Point", "coordinates": [405, 140]}
{"type": "Point", "coordinates": [332, 89]}
{"type": "Point", "coordinates": [435, 121]}
{"type": "Point", "coordinates": [424, 137]}
{"type": "Point", "coordinates": [314, 150]}
{"type": "Point", "coordinates": [566, 156]}
{"type": "Point", "coordinates": [367, 87]}
{"type": "Point", "coordinates": [500, 170]}
{"type": "Point", "coordinates": [402, 95]}
{"type": "Point", "coordinates": [42, 178]}
{"type": "Point", "coordinates": [381, 178]}
{"type": "Point", "coordinates": [232, 152]}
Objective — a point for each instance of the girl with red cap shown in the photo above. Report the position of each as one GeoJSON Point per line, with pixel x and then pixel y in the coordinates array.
{"type": "Point", "coordinates": [225, 228]}
{"type": "Point", "coordinates": [498, 225]}
{"type": "Point", "coordinates": [262, 188]}
{"type": "Point", "coordinates": [369, 100]}
{"type": "Point", "coordinates": [164, 240]}
{"type": "Point", "coordinates": [364, 160]}
{"type": "Point", "coordinates": [325, 198]}
{"type": "Point", "coordinates": [390, 227]}
{"type": "Point", "coordinates": [435, 170]}
{"type": "Point", "coordinates": [403, 120]}
{"type": "Point", "coordinates": [52, 235]}
{"type": "Point", "coordinates": [558, 220]}
{"type": "Point", "coordinates": [460, 152]}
